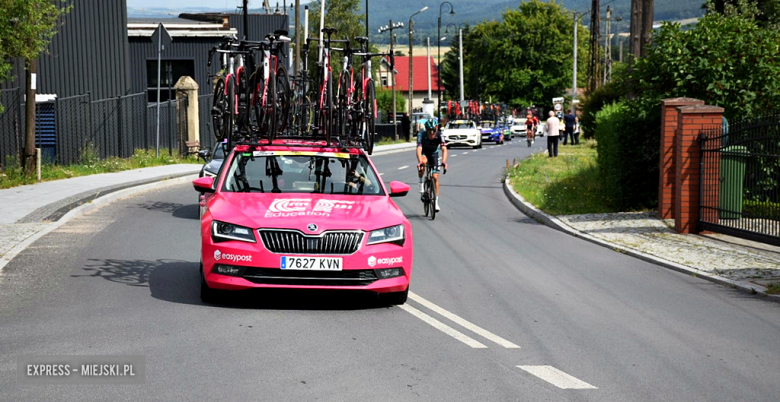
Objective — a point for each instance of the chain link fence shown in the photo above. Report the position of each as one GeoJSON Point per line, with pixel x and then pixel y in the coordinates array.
{"type": "Point", "coordinates": [83, 127]}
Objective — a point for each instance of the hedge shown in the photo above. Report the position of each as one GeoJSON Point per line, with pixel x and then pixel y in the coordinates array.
{"type": "Point", "coordinates": [628, 155]}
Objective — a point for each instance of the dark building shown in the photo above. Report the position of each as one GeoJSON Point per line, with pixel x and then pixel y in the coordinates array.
{"type": "Point", "coordinates": [88, 53]}
{"type": "Point", "coordinates": [193, 36]}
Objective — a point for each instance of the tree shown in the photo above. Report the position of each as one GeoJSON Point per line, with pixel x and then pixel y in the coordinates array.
{"type": "Point", "coordinates": [765, 12]}
{"type": "Point", "coordinates": [27, 27]}
{"type": "Point", "coordinates": [728, 61]}
{"type": "Point", "coordinates": [526, 58]}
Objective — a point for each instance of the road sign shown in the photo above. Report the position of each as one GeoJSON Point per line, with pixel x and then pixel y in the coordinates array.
{"type": "Point", "coordinates": [163, 39]}
{"type": "Point", "coordinates": [558, 107]}
{"type": "Point", "coordinates": [557, 100]}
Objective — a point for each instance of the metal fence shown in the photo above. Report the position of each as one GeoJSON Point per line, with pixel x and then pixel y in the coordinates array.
{"type": "Point", "coordinates": [70, 129]}
{"type": "Point", "coordinates": [207, 138]}
{"type": "Point", "coordinates": [10, 124]}
{"type": "Point", "coordinates": [740, 179]}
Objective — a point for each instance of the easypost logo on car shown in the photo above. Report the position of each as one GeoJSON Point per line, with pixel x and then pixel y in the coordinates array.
{"type": "Point", "coordinates": [218, 255]}
{"type": "Point", "coordinates": [373, 261]}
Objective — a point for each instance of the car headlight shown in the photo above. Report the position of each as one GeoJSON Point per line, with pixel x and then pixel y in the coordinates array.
{"type": "Point", "coordinates": [392, 234]}
{"type": "Point", "coordinates": [221, 231]}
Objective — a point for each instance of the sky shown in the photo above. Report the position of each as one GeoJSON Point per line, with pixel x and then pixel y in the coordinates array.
{"type": "Point", "coordinates": [228, 4]}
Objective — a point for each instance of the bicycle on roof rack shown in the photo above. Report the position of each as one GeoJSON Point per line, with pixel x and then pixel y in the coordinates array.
{"type": "Point", "coordinates": [359, 111]}
{"type": "Point", "coordinates": [269, 88]}
{"type": "Point", "coordinates": [324, 126]}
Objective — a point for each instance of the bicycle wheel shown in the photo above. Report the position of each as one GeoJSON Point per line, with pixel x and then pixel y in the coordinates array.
{"type": "Point", "coordinates": [432, 199]}
{"type": "Point", "coordinates": [282, 98]}
{"type": "Point", "coordinates": [254, 92]}
{"type": "Point", "coordinates": [370, 118]}
{"type": "Point", "coordinates": [231, 111]}
{"type": "Point", "coordinates": [218, 109]}
{"type": "Point", "coordinates": [343, 104]}
{"type": "Point", "coordinates": [328, 110]}
{"type": "Point", "coordinates": [242, 103]}
{"type": "Point", "coordinates": [272, 105]}
{"type": "Point", "coordinates": [424, 197]}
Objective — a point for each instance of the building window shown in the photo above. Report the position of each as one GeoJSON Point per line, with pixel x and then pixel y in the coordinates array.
{"type": "Point", "coordinates": [171, 71]}
{"type": "Point", "coordinates": [384, 82]}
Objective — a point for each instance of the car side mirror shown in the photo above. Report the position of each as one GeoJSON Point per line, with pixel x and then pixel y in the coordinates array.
{"type": "Point", "coordinates": [204, 184]}
{"type": "Point", "coordinates": [204, 154]}
{"type": "Point", "coordinates": [398, 189]}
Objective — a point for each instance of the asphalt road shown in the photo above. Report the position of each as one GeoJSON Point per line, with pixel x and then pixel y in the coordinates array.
{"type": "Point", "coordinates": [493, 290]}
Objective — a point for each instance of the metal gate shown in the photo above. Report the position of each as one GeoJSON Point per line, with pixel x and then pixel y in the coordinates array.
{"type": "Point", "coordinates": [740, 179]}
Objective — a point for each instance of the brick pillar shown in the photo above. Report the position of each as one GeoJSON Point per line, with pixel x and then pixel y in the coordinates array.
{"type": "Point", "coordinates": [691, 120]}
{"type": "Point", "coordinates": [666, 180]}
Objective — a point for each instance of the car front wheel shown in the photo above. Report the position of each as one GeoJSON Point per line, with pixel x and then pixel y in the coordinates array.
{"type": "Point", "coordinates": [395, 298]}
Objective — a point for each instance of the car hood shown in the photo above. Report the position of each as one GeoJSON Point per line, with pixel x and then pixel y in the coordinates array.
{"type": "Point", "coordinates": [297, 211]}
{"type": "Point", "coordinates": [460, 131]}
{"type": "Point", "coordinates": [487, 130]}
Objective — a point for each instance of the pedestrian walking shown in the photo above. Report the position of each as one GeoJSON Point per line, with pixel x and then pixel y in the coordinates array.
{"type": "Point", "coordinates": [570, 122]}
{"type": "Point", "coordinates": [552, 135]}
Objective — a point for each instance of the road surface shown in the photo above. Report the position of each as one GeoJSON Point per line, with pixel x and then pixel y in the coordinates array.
{"type": "Point", "coordinates": [502, 309]}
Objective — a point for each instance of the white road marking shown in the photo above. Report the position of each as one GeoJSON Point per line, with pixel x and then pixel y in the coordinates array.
{"type": "Point", "coordinates": [557, 377]}
{"type": "Point", "coordinates": [442, 327]}
{"type": "Point", "coordinates": [403, 167]}
{"type": "Point", "coordinates": [453, 156]}
{"type": "Point", "coordinates": [381, 174]}
{"type": "Point", "coordinates": [463, 323]}
{"type": "Point", "coordinates": [465, 153]}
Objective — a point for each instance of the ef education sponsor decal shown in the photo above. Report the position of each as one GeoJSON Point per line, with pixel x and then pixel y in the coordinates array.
{"type": "Point", "coordinates": [373, 261]}
{"type": "Point", "coordinates": [294, 207]}
{"type": "Point", "coordinates": [218, 255]}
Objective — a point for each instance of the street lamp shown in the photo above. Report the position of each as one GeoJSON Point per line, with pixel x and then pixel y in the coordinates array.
{"type": "Point", "coordinates": [438, 52]}
{"type": "Point", "coordinates": [411, 56]}
{"type": "Point", "coordinates": [460, 52]}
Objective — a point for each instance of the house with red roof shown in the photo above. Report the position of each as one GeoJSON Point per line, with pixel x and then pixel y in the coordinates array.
{"type": "Point", "coordinates": [420, 77]}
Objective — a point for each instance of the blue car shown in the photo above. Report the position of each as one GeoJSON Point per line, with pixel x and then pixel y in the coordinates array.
{"type": "Point", "coordinates": [491, 132]}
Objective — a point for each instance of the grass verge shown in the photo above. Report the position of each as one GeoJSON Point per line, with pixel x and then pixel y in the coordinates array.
{"type": "Point", "coordinates": [13, 175]}
{"type": "Point", "coordinates": [773, 288]}
{"type": "Point", "coordinates": [388, 141]}
{"type": "Point", "coordinates": [567, 185]}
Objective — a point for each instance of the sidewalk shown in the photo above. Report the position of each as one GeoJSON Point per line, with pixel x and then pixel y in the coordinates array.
{"type": "Point", "coordinates": [723, 259]}
{"type": "Point", "coordinates": [28, 212]}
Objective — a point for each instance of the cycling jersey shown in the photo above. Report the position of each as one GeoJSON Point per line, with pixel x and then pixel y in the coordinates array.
{"type": "Point", "coordinates": [430, 146]}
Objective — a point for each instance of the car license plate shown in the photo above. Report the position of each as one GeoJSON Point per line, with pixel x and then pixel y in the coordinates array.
{"type": "Point", "coordinates": [312, 263]}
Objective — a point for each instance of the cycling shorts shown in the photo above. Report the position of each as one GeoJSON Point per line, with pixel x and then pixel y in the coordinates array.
{"type": "Point", "coordinates": [434, 161]}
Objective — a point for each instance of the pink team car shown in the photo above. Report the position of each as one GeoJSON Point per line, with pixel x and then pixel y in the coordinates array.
{"type": "Point", "coordinates": [301, 215]}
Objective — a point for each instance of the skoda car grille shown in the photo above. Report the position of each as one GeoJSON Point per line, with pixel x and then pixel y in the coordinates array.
{"type": "Point", "coordinates": [294, 242]}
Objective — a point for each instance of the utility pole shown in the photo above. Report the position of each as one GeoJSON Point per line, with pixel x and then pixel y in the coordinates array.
{"type": "Point", "coordinates": [460, 61]}
{"type": "Point", "coordinates": [390, 27]}
{"type": "Point", "coordinates": [620, 49]}
{"type": "Point", "coordinates": [411, 66]}
{"type": "Point", "coordinates": [595, 30]}
{"type": "Point", "coordinates": [30, 154]}
{"type": "Point", "coordinates": [634, 47]}
{"type": "Point", "coordinates": [298, 34]}
{"type": "Point", "coordinates": [574, 80]}
{"type": "Point", "coordinates": [647, 26]}
{"type": "Point", "coordinates": [246, 19]}
{"type": "Point", "coordinates": [428, 63]}
{"type": "Point", "coordinates": [607, 47]}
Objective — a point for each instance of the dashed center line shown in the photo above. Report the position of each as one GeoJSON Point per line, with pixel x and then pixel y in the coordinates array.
{"type": "Point", "coordinates": [557, 377]}
{"type": "Point", "coordinates": [465, 153]}
{"type": "Point", "coordinates": [443, 327]}
{"type": "Point", "coordinates": [403, 167]}
{"type": "Point", "coordinates": [453, 156]}
{"type": "Point", "coordinates": [462, 322]}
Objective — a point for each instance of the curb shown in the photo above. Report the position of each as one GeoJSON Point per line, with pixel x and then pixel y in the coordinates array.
{"type": "Point", "coordinates": [393, 148]}
{"type": "Point", "coordinates": [525, 207]}
{"type": "Point", "coordinates": [100, 200]}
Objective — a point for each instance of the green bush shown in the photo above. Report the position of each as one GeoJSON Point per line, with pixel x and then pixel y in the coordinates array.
{"type": "Point", "coordinates": [384, 101]}
{"type": "Point", "coordinates": [612, 92]}
{"type": "Point", "coordinates": [628, 151]}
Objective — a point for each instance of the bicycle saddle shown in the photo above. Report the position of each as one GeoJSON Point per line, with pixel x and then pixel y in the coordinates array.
{"type": "Point", "coordinates": [361, 39]}
{"type": "Point", "coordinates": [281, 32]}
{"type": "Point", "coordinates": [328, 30]}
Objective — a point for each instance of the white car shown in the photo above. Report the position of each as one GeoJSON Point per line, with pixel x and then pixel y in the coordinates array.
{"type": "Point", "coordinates": [518, 127]}
{"type": "Point", "coordinates": [462, 132]}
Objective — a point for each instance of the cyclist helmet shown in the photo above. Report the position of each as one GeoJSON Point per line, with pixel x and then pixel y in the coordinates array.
{"type": "Point", "coordinates": [429, 126]}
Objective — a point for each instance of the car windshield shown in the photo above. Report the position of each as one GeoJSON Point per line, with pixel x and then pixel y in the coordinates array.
{"type": "Point", "coordinates": [459, 125]}
{"type": "Point", "coordinates": [301, 172]}
{"type": "Point", "coordinates": [488, 124]}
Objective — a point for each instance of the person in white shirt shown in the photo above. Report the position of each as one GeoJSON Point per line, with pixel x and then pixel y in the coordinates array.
{"type": "Point", "coordinates": [552, 135]}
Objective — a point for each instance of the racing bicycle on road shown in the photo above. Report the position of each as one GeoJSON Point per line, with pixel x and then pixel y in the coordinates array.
{"type": "Point", "coordinates": [429, 189]}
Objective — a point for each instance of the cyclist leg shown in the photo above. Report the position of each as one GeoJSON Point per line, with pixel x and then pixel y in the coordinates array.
{"type": "Point", "coordinates": [435, 167]}
{"type": "Point", "coordinates": [421, 171]}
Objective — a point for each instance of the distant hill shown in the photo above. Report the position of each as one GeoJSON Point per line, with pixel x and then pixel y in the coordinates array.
{"type": "Point", "coordinates": [466, 11]}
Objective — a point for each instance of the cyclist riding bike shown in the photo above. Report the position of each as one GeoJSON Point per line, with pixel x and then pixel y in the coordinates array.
{"type": "Point", "coordinates": [429, 142]}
